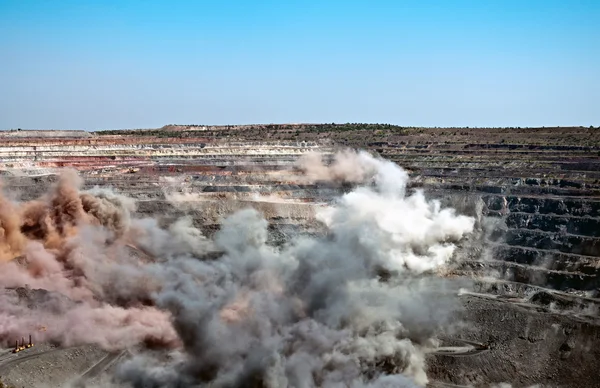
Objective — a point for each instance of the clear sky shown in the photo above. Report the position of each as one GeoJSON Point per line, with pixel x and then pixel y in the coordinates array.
{"type": "Point", "coordinates": [106, 64]}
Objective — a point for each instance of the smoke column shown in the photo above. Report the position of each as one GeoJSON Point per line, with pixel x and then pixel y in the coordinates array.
{"type": "Point", "coordinates": [359, 306]}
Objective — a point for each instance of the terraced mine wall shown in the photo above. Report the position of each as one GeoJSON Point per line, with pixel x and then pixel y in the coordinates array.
{"type": "Point", "coordinates": [536, 189]}
{"type": "Point", "coordinates": [542, 183]}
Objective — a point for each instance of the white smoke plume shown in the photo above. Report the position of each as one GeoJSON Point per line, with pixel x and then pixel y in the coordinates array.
{"type": "Point", "coordinates": [357, 307]}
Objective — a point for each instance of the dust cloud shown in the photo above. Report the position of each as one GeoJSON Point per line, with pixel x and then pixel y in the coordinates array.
{"type": "Point", "coordinates": [359, 306]}
{"type": "Point", "coordinates": [347, 166]}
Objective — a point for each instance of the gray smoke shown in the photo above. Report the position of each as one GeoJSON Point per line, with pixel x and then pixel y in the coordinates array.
{"type": "Point", "coordinates": [358, 307]}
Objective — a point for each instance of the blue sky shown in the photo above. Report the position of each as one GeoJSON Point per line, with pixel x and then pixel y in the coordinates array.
{"type": "Point", "coordinates": [91, 64]}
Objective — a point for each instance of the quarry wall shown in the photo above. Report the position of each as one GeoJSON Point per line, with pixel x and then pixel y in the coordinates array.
{"type": "Point", "coordinates": [544, 185]}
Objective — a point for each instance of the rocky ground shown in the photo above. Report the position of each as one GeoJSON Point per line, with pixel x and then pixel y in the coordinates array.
{"type": "Point", "coordinates": [49, 367]}
{"type": "Point", "coordinates": [535, 303]}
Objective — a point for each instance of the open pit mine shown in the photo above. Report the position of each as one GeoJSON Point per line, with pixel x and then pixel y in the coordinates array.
{"type": "Point", "coordinates": [332, 255]}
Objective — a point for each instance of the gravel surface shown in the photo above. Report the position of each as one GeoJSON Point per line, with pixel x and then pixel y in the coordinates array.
{"type": "Point", "coordinates": [53, 368]}
{"type": "Point", "coordinates": [526, 347]}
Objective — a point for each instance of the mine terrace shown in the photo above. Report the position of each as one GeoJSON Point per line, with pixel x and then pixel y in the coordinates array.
{"type": "Point", "coordinates": [530, 303]}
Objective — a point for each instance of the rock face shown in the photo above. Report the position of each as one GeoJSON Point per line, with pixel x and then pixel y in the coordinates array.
{"type": "Point", "coordinates": [537, 189]}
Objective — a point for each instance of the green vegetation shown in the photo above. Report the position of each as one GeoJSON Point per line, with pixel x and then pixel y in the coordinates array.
{"type": "Point", "coordinates": [144, 132]}
{"type": "Point", "coordinates": [183, 131]}
{"type": "Point", "coordinates": [353, 127]}
{"type": "Point", "coordinates": [362, 134]}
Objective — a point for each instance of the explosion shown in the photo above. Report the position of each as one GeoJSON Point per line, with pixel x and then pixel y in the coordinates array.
{"type": "Point", "coordinates": [357, 307]}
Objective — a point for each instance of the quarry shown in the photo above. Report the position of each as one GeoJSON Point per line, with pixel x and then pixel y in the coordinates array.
{"type": "Point", "coordinates": [300, 255]}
